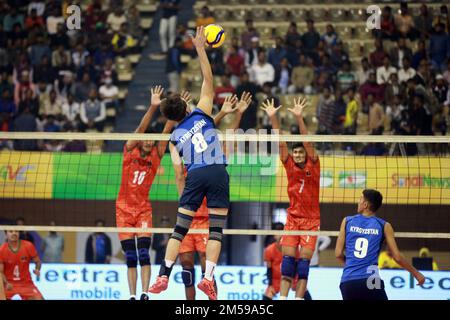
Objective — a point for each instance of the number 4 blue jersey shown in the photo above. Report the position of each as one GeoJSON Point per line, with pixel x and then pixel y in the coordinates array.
{"type": "Point", "coordinates": [364, 237]}
{"type": "Point", "coordinates": [197, 141]}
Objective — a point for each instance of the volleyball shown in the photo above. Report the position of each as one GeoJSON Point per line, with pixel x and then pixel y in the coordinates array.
{"type": "Point", "coordinates": [215, 35]}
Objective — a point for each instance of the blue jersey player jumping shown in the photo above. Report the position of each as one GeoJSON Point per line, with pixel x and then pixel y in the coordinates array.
{"type": "Point", "coordinates": [195, 142]}
{"type": "Point", "coordinates": [361, 236]}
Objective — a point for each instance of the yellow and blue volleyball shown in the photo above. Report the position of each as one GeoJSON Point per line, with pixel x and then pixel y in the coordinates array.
{"type": "Point", "coordinates": [215, 35]}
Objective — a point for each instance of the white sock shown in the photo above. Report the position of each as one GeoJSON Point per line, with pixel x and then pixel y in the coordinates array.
{"type": "Point", "coordinates": [144, 293]}
{"type": "Point", "coordinates": [298, 298]}
{"type": "Point", "coordinates": [132, 296]}
{"type": "Point", "coordinates": [210, 267]}
{"type": "Point", "coordinates": [169, 263]}
{"type": "Point", "coordinates": [283, 298]}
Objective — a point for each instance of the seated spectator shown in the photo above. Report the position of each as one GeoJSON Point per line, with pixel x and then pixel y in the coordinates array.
{"type": "Point", "coordinates": [392, 89]}
{"type": "Point", "coordinates": [425, 253]}
{"type": "Point", "coordinates": [340, 107]}
{"type": "Point", "coordinates": [443, 17]}
{"type": "Point", "coordinates": [108, 71]}
{"type": "Point", "coordinates": [34, 21]}
{"type": "Point", "coordinates": [22, 65]}
{"type": "Point", "coordinates": [282, 76]}
{"type": "Point", "coordinates": [446, 74]}
{"type": "Point", "coordinates": [248, 120]}
{"type": "Point", "coordinates": [5, 83]}
{"type": "Point", "coordinates": [338, 55]}
{"type": "Point", "coordinates": [326, 112]}
{"type": "Point", "coordinates": [310, 38]}
{"type": "Point", "coordinates": [98, 246]}
{"type": "Point", "coordinates": [387, 25]}
{"type": "Point", "coordinates": [424, 22]}
{"type": "Point", "coordinates": [248, 35]}
{"type": "Point", "coordinates": [21, 88]}
{"type": "Point", "coordinates": [60, 37]}
{"type": "Point", "coordinates": [30, 102]}
{"type": "Point", "coordinates": [92, 112]}
{"type": "Point", "coordinates": [225, 89]}
{"type": "Point", "coordinates": [384, 72]}
{"type": "Point", "coordinates": [134, 23]}
{"type": "Point", "coordinates": [406, 72]}
{"type": "Point", "coordinates": [50, 124]}
{"type": "Point", "coordinates": [377, 57]}
{"type": "Point", "coordinates": [90, 68]}
{"type": "Point", "coordinates": [44, 72]}
{"type": "Point", "coordinates": [83, 88]}
{"type": "Point", "coordinates": [11, 18]}
{"type": "Point", "coordinates": [71, 111]}
{"type": "Point", "coordinates": [262, 72]}
{"type": "Point", "coordinates": [38, 50]}
{"type": "Point", "coordinates": [292, 36]}
{"type": "Point", "coordinates": [103, 54]}
{"type": "Point", "coordinates": [7, 110]}
{"type": "Point", "coordinates": [372, 87]}
{"type": "Point", "coordinates": [398, 113]}
{"type": "Point", "coordinates": [293, 53]}
{"type": "Point", "coordinates": [251, 55]}
{"type": "Point", "coordinates": [74, 145]}
{"type": "Point", "coordinates": [116, 19]}
{"type": "Point", "coordinates": [277, 53]}
{"type": "Point", "coordinates": [325, 73]}
{"type": "Point", "coordinates": [351, 113]}
{"type": "Point", "coordinates": [346, 78]}
{"type": "Point", "coordinates": [440, 89]}
{"type": "Point", "coordinates": [61, 55]}
{"type": "Point", "coordinates": [79, 56]}
{"type": "Point", "coordinates": [25, 122]}
{"type": "Point", "coordinates": [206, 17]}
{"type": "Point", "coordinates": [109, 94]}
{"type": "Point", "coordinates": [174, 66]}
{"type": "Point", "coordinates": [439, 47]}
{"type": "Point", "coordinates": [66, 85]}
{"type": "Point", "coordinates": [235, 65]}
{"type": "Point", "coordinates": [422, 76]}
{"type": "Point", "coordinates": [362, 74]}
{"type": "Point", "coordinates": [376, 118]}
{"type": "Point", "coordinates": [404, 23]}
{"type": "Point", "coordinates": [52, 106]}
{"type": "Point", "coordinates": [374, 149]}
{"type": "Point", "coordinates": [53, 20]}
{"type": "Point", "coordinates": [122, 41]}
{"type": "Point", "coordinates": [400, 52]}
{"type": "Point", "coordinates": [330, 37]}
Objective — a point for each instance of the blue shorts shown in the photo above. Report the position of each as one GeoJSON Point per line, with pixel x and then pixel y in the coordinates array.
{"type": "Point", "coordinates": [211, 182]}
{"type": "Point", "coordinates": [358, 290]}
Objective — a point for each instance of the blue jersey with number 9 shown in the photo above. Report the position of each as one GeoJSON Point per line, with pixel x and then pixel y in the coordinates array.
{"type": "Point", "coordinates": [197, 141]}
{"type": "Point", "coordinates": [364, 237]}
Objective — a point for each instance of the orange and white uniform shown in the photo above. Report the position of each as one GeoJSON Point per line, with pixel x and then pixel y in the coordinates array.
{"type": "Point", "coordinates": [17, 270]}
{"type": "Point", "coordinates": [304, 210]}
{"type": "Point", "coordinates": [133, 207]}
{"type": "Point", "coordinates": [197, 242]}
{"type": "Point", "coordinates": [273, 255]}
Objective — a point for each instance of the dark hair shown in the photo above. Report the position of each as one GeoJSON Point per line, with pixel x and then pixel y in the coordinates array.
{"type": "Point", "coordinates": [277, 226]}
{"type": "Point", "coordinates": [173, 107]}
{"type": "Point", "coordinates": [20, 219]}
{"type": "Point", "coordinates": [100, 221]}
{"type": "Point", "coordinates": [374, 197]}
{"type": "Point", "coordinates": [297, 145]}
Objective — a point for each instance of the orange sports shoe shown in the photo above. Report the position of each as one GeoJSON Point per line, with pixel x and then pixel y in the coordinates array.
{"type": "Point", "coordinates": [207, 287]}
{"type": "Point", "coordinates": [160, 285]}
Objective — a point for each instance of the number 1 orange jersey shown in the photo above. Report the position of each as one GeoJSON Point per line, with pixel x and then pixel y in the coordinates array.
{"type": "Point", "coordinates": [17, 263]}
{"type": "Point", "coordinates": [303, 188]}
{"type": "Point", "coordinates": [137, 177]}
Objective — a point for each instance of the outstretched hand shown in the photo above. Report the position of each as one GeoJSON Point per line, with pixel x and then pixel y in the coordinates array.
{"type": "Point", "coordinates": [269, 107]}
{"type": "Point", "coordinates": [156, 93]}
{"type": "Point", "coordinates": [246, 100]}
{"type": "Point", "coordinates": [186, 96]}
{"type": "Point", "coordinates": [228, 104]}
{"type": "Point", "coordinates": [199, 40]}
{"type": "Point", "coordinates": [299, 105]}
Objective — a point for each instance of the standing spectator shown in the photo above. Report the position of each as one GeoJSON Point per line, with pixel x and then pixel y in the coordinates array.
{"type": "Point", "coordinates": [109, 93]}
{"type": "Point", "coordinates": [223, 91]}
{"type": "Point", "coordinates": [424, 22]}
{"type": "Point", "coordinates": [406, 72]}
{"type": "Point", "coordinates": [277, 53]}
{"type": "Point", "coordinates": [372, 87]}
{"type": "Point", "coordinates": [439, 47]}
{"type": "Point", "coordinates": [302, 76]}
{"type": "Point", "coordinates": [421, 117]}
{"type": "Point", "coordinates": [392, 89]}
{"type": "Point", "coordinates": [24, 235]}
{"type": "Point", "coordinates": [262, 72]}
{"type": "Point", "coordinates": [351, 113]}
{"type": "Point", "coordinates": [248, 120]}
{"type": "Point", "coordinates": [52, 246]}
{"type": "Point", "coordinates": [98, 246]}
{"type": "Point", "coordinates": [377, 57]}
{"type": "Point", "coordinates": [292, 36]}
{"type": "Point", "coordinates": [400, 52]}
{"type": "Point", "coordinates": [235, 65]}
{"type": "Point", "coordinates": [174, 67]}
{"type": "Point", "coordinates": [293, 53]}
{"type": "Point", "coordinates": [385, 71]}
{"type": "Point", "coordinates": [53, 20]}
{"type": "Point", "coordinates": [362, 74]}
{"type": "Point", "coordinates": [71, 111]}
{"type": "Point", "coordinates": [30, 102]}
{"type": "Point", "coordinates": [92, 112]}
{"type": "Point", "coordinates": [322, 243]}
{"type": "Point", "coordinates": [160, 241]}
{"type": "Point", "coordinates": [25, 122]}
{"type": "Point", "coordinates": [326, 112]}
{"type": "Point", "coordinates": [310, 38]}
{"type": "Point", "coordinates": [168, 24]}
{"type": "Point", "coordinates": [404, 23]}
{"type": "Point", "coordinates": [116, 19]}
{"type": "Point", "coordinates": [206, 17]}
{"type": "Point", "coordinates": [247, 37]}
{"type": "Point", "coordinates": [376, 118]}
{"type": "Point", "coordinates": [83, 88]}
{"type": "Point", "coordinates": [283, 75]}
{"type": "Point", "coordinates": [251, 55]}
{"type": "Point", "coordinates": [346, 78]}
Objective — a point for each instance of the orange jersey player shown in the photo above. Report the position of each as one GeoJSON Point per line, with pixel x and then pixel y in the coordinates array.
{"type": "Point", "coordinates": [141, 160]}
{"type": "Point", "coordinates": [303, 173]}
{"type": "Point", "coordinates": [15, 258]}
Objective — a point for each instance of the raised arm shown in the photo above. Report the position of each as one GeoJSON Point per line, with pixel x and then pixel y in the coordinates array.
{"type": "Point", "coordinates": [156, 93]}
{"type": "Point", "coordinates": [398, 257]}
{"type": "Point", "coordinates": [241, 106]}
{"type": "Point", "coordinates": [207, 91]}
{"type": "Point", "coordinates": [297, 111]}
{"type": "Point", "coordinates": [227, 108]}
{"type": "Point", "coordinates": [340, 243]}
{"type": "Point", "coordinates": [162, 145]}
{"type": "Point", "coordinates": [179, 177]}
{"type": "Point", "coordinates": [268, 107]}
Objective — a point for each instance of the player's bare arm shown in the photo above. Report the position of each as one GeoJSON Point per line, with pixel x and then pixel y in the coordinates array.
{"type": "Point", "coordinates": [155, 101]}
{"type": "Point", "coordinates": [227, 108]}
{"type": "Point", "coordinates": [299, 106]}
{"type": "Point", "coordinates": [241, 106]}
{"type": "Point", "coordinates": [340, 243]}
{"type": "Point", "coordinates": [269, 107]}
{"type": "Point", "coordinates": [207, 91]}
{"type": "Point", "coordinates": [162, 145]}
{"type": "Point", "coordinates": [38, 265]}
{"type": "Point", "coordinates": [179, 177]}
{"type": "Point", "coordinates": [187, 98]}
{"type": "Point", "coordinates": [398, 257]}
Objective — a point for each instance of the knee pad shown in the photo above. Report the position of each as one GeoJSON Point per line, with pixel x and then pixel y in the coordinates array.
{"type": "Point", "coordinates": [129, 247]}
{"type": "Point", "coordinates": [143, 245]}
{"type": "Point", "coordinates": [303, 268]}
{"type": "Point", "coordinates": [188, 276]}
{"type": "Point", "coordinates": [182, 227]}
{"type": "Point", "coordinates": [216, 225]}
{"type": "Point", "coordinates": [288, 266]}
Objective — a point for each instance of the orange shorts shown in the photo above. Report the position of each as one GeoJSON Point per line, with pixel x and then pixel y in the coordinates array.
{"type": "Point", "coordinates": [126, 219]}
{"type": "Point", "coordinates": [194, 243]}
{"type": "Point", "coordinates": [26, 291]}
{"type": "Point", "coordinates": [300, 224]}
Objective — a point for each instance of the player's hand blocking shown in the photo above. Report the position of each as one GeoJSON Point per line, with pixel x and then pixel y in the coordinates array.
{"type": "Point", "coordinates": [228, 104]}
{"type": "Point", "coordinates": [246, 100]}
{"type": "Point", "coordinates": [37, 273]}
{"type": "Point", "coordinates": [199, 40]}
{"type": "Point", "coordinates": [269, 107]}
{"type": "Point", "coordinates": [299, 105]}
{"type": "Point", "coordinates": [156, 93]}
{"type": "Point", "coordinates": [186, 97]}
